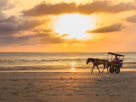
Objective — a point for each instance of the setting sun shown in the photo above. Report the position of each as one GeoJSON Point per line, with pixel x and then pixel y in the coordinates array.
{"type": "Point", "coordinates": [74, 25]}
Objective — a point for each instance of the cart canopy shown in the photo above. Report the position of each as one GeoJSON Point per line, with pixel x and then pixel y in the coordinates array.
{"type": "Point", "coordinates": [115, 54]}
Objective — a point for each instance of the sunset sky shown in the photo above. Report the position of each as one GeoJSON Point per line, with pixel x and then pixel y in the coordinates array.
{"type": "Point", "coordinates": [67, 25]}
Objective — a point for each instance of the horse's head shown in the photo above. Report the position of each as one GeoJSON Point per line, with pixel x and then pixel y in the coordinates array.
{"type": "Point", "coordinates": [90, 59]}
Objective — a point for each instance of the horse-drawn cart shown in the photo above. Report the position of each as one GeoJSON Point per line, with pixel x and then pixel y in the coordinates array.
{"type": "Point", "coordinates": [115, 62]}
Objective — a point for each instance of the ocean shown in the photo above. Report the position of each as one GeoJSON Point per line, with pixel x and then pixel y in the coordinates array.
{"type": "Point", "coordinates": [56, 62]}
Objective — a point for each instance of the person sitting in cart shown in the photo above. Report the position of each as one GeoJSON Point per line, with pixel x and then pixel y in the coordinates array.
{"type": "Point", "coordinates": [118, 61]}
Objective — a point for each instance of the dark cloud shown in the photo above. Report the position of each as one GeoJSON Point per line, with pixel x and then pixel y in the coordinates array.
{"type": "Point", "coordinates": [105, 7]}
{"type": "Point", "coordinates": [43, 9]}
{"type": "Point", "coordinates": [37, 38]}
{"type": "Point", "coordinates": [29, 24]}
{"type": "Point", "coordinates": [14, 40]}
{"type": "Point", "coordinates": [94, 7]}
{"type": "Point", "coordinates": [107, 29]}
{"type": "Point", "coordinates": [6, 29]}
{"type": "Point", "coordinates": [11, 30]}
{"type": "Point", "coordinates": [5, 25]}
{"type": "Point", "coordinates": [13, 25]}
{"type": "Point", "coordinates": [131, 19]}
{"type": "Point", "coordinates": [11, 19]}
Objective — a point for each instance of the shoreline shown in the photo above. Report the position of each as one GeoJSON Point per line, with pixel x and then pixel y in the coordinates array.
{"type": "Point", "coordinates": [67, 70]}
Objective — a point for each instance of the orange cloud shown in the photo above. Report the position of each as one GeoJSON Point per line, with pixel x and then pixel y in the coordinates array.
{"type": "Point", "coordinates": [131, 19]}
{"type": "Point", "coordinates": [94, 7]}
{"type": "Point", "coordinates": [107, 29]}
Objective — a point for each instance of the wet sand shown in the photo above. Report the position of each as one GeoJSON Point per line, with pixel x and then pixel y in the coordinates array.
{"type": "Point", "coordinates": [67, 87]}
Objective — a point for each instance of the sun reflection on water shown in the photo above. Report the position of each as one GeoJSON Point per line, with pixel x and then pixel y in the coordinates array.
{"type": "Point", "coordinates": [73, 69]}
{"type": "Point", "coordinates": [73, 64]}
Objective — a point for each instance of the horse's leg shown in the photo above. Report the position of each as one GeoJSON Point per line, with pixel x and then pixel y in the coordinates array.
{"type": "Point", "coordinates": [107, 69]}
{"type": "Point", "coordinates": [92, 68]}
{"type": "Point", "coordinates": [103, 68]}
{"type": "Point", "coordinates": [98, 68]}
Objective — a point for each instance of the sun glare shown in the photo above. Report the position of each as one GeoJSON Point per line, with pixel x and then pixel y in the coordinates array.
{"type": "Point", "coordinates": [74, 25]}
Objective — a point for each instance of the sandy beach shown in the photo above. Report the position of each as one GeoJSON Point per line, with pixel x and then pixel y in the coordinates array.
{"type": "Point", "coordinates": [67, 87]}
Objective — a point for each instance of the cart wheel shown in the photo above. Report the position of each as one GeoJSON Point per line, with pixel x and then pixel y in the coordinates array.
{"type": "Point", "coordinates": [117, 70]}
{"type": "Point", "coordinates": [112, 70]}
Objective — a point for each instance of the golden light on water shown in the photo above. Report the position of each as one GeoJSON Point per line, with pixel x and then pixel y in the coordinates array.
{"type": "Point", "coordinates": [73, 69]}
{"type": "Point", "coordinates": [73, 64]}
{"type": "Point", "coordinates": [75, 25]}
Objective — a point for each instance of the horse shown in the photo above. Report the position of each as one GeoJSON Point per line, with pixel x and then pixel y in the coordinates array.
{"type": "Point", "coordinates": [97, 62]}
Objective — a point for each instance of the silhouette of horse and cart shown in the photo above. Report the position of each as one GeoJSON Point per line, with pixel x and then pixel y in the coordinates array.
{"type": "Point", "coordinates": [113, 63]}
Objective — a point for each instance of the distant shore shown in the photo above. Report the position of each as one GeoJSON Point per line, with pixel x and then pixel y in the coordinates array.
{"type": "Point", "coordinates": [67, 87]}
